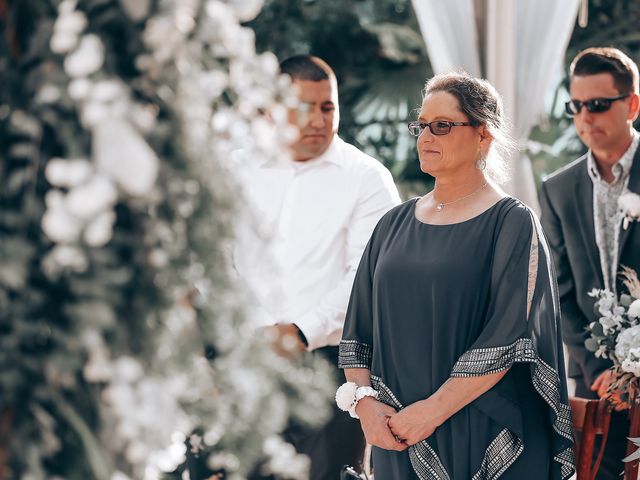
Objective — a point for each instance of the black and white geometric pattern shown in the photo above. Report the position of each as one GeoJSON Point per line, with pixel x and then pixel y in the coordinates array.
{"type": "Point", "coordinates": [546, 381]}
{"type": "Point", "coordinates": [499, 456]}
{"type": "Point", "coordinates": [424, 459]}
{"type": "Point", "coordinates": [354, 354]}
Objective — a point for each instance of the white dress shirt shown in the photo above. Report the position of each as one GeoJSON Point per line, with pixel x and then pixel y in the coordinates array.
{"type": "Point", "coordinates": [315, 218]}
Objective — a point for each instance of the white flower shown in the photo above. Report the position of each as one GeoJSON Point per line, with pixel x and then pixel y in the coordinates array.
{"type": "Point", "coordinates": [631, 367]}
{"type": "Point", "coordinates": [63, 42]}
{"type": "Point", "coordinates": [94, 197]}
{"type": "Point", "coordinates": [124, 154]}
{"type": "Point", "coordinates": [79, 88]}
{"type": "Point", "coordinates": [634, 309]}
{"type": "Point", "coordinates": [606, 302]}
{"type": "Point", "coordinates": [65, 257]}
{"type": "Point", "coordinates": [99, 231]}
{"type": "Point", "coordinates": [629, 204]}
{"type": "Point", "coordinates": [345, 395]}
{"type": "Point", "coordinates": [60, 225]}
{"type": "Point", "coordinates": [67, 173]}
{"type": "Point", "coordinates": [247, 10]}
{"type": "Point", "coordinates": [610, 323]}
{"type": "Point", "coordinates": [601, 352]}
{"type": "Point", "coordinates": [87, 59]}
{"type": "Point", "coordinates": [136, 9]}
{"type": "Point", "coordinates": [67, 6]}
{"type": "Point", "coordinates": [283, 460]}
{"type": "Point", "coordinates": [627, 340]}
{"type": "Point", "coordinates": [48, 94]}
{"type": "Point", "coordinates": [631, 364]}
{"type": "Point", "coordinates": [107, 91]}
{"type": "Point", "coordinates": [72, 22]}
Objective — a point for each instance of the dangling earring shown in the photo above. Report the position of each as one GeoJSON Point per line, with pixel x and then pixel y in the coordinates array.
{"type": "Point", "coordinates": [481, 163]}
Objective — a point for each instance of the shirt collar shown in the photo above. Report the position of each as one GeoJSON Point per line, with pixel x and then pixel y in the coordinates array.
{"type": "Point", "coordinates": [622, 167]}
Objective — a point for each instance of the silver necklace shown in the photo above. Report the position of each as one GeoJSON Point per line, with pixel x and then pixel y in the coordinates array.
{"type": "Point", "coordinates": [440, 206]}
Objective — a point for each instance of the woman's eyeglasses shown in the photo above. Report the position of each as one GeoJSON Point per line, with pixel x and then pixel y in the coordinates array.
{"type": "Point", "coordinates": [438, 127]}
{"type": "Point", "coordinates": [595, 105]}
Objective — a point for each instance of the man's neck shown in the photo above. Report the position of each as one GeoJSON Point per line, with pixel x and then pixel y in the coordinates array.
{"type": "Point", "coordinates": [606, 159]}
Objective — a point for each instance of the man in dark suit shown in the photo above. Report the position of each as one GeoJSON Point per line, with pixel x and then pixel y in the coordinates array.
{"type": "Point", "coordinates": [583, 222]}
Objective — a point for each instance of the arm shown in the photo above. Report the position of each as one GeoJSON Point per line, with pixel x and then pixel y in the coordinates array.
{"type": "Point", "coordinates": [377, 195]}
{"type": "Point", "coordinates": [572, 319]}
{"type": "Point", "coordinates": [374, 415]}
{"type": "Point", "coordinates": [419, 420]}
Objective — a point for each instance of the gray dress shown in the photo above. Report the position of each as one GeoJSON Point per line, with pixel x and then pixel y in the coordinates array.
{"type": "Point", "coordinates": [434, 301]}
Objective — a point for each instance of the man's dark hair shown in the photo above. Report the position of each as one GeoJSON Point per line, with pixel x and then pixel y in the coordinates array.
{"type": "Point", "coordinates": [306, 67]}
{"type": "Point", "coordinates": [595, 60]}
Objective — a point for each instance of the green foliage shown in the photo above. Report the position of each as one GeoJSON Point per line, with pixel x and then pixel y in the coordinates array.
{"type": "Point", "coordinates": [129, 307]}
{"type": "Point", "coordinates": [377, 52]}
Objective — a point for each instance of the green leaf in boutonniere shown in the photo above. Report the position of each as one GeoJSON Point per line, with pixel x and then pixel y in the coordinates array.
{"type": "Point", "coordinates": [591, 345]}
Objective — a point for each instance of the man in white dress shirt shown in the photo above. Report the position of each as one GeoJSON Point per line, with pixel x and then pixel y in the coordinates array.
{"type": "Point", "coordinates": [317, 212]}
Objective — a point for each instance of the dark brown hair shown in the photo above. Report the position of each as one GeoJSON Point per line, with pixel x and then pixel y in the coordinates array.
{"type": "Point", "coordinates": [595, 60]}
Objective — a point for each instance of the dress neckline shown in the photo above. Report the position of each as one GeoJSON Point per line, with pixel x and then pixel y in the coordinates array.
{"type": "Point", "coordinates": [415, 203]}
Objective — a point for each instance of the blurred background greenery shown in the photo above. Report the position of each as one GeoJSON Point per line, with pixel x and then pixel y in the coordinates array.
{"type": "Point", "coordinates": [377, 51]}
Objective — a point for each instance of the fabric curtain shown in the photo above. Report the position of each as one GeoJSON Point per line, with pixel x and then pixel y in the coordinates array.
{"type": "Point", "coordinates": [542, 32]}
{"type": "Point", "coordinates": [450, 33]}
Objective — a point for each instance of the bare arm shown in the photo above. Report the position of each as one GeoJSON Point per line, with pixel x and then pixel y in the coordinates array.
{"type": "Point", "coordinates": [419, 420]}
{"type": "Point", "coordinates": [374, 415]}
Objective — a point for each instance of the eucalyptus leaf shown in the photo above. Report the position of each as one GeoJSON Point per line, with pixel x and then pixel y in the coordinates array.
{"type": "Point", "coordinates": [591, 344]}
{"type": "Point", "coordinates": [625, 300]}
{"type": "Point", "coordinates": [597, 329]}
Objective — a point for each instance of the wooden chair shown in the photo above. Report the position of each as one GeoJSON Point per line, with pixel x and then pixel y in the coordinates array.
{"type": "Point", "coordinates": [591, 418]}
{"type": "Point", "coordinates": [631, 468]}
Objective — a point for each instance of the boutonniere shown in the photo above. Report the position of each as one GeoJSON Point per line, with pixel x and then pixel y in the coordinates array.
{"type": "Point", "coordinates": [629, 204]}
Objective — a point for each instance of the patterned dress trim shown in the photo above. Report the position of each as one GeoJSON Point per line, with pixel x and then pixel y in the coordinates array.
{"type": "Point", "coordinates": [424, 459]}
{"type": "Point", "coordinates": [354, 354]}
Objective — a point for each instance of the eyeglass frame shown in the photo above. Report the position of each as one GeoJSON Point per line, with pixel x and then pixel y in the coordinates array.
{"type": "Point", "coordinates": [586, 103]}
{"type": "Point", "coordinates": [424, 125]}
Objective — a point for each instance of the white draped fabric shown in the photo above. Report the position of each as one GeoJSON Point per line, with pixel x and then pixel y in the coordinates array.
{"type": "Point", "coordinates": [452, 41]}
{"type": "Point", "coordinates": [524, 45]}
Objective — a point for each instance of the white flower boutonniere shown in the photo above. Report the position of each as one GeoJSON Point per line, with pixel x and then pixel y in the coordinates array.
{"type": "Point", "coordinates": [629, 204]}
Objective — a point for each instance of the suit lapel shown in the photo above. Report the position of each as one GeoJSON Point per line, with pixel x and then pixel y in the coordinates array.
{"type": "Point", "coordinates": [583, 195]}
{"type": "Point", "coordinates": [633, 186]}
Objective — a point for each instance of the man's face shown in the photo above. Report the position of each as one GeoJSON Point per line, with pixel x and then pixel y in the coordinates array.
{"type": "Point", "coordinates": [316, 117]}
{"type": "Point", "coordinates": [604, 131]}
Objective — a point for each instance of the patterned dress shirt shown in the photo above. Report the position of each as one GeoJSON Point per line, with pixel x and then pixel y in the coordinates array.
{"type": "Point", "coordinates": [607, 216]}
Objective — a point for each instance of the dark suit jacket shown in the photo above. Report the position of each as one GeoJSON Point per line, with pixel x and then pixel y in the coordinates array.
{"type": "Point", "coordinates": [566, 201]}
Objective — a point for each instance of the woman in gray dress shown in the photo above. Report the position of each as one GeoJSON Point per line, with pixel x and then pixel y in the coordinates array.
{"type": "Point", "coordinates": [454, 318]}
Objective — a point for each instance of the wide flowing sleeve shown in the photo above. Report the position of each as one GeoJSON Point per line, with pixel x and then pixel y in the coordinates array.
{"type": "Point", "coordinates": [356, 346]}
{"type": "Point", "coordinates": [521, 326]}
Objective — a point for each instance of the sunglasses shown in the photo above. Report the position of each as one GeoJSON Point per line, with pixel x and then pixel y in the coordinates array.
{"type": "Point", "coordinates": [595, 105]}
{"type": "Point", "coordinates": [438, 127]}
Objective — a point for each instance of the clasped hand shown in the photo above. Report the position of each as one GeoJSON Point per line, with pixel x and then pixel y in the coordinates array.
{"type": "Point", "coordinates": [391, 430]}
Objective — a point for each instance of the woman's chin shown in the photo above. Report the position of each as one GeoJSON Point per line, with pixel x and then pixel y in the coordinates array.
{"type": "Point", "coordinates": [427, 167]}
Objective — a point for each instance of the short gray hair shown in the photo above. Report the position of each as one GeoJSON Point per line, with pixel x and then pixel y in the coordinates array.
{"type": "Point", "coordinates": [482, 104]}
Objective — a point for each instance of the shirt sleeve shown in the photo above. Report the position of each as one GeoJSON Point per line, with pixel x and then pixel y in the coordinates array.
{"type": "Point", "coordinates": [377, 195]}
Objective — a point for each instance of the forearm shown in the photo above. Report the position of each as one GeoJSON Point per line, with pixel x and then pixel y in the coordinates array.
{"type": "Point", "coordinates": [458, 392]}
{"type": "Point", "coordinates": [359, 376]}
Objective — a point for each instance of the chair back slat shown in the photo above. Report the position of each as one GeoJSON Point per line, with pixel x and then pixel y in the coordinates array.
{"type": "Point", "coordinates": [591, 418]}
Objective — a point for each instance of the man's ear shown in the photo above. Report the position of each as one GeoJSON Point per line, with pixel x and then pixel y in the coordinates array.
{"type": "Point", "coordinates": [634, 106]}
